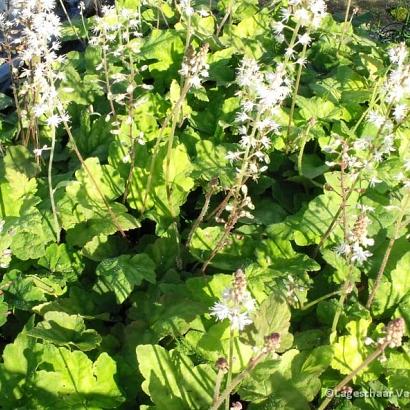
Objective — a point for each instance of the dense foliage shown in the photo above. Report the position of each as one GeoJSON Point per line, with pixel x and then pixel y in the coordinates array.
{"type": "Point", "coordinates": [208, 200]}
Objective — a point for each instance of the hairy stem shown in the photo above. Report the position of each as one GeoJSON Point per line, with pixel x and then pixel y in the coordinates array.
{"type": "Point", "coordinates": [387, 253]}
{"type": "Point", "coordinates": [318, 300]}
{"type": "Point", "coordinates": [230, 364]}
{"type": "Point", "coordinates": [202, 214]}
{"type": "Point", "coordinates": [302, 146]}
{"type": "Point", "coordinates": [104, 199]}
{"type": "Point", "coordinates": [225, 18]}
{"type": "Point", "coordinates": [50, 184]}
{"type": "Point", "coordinates": [218, 383]}
{"type": "Point", "coordinates": [169, 117]}
{"type": "Point", "coordinates": [349, 3]}
{"type": "Point", "coordinates": [351, 375]}
{"type": "Point", "coordinates": [295, 91]}
{"type": "Point", "coordinates": [238, 379]}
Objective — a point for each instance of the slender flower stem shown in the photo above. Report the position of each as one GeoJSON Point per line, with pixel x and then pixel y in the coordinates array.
{"type": "Point", "coordinates": [107, 82]}
{"type": "Point", "coordinates": [204, 210]}
{"type": "Point", "coordinates": [318, 300]}
{"type": "Point", "coordinates": [170, 116]}
{"type": "Point", "coordinates": [349, 3]}
{"type": "Point", "coordinates": [238, 379]}
{"type": "Point", "coordinates": [342, 299]}
{"type": "Point", "coordinates": [230, 364]}
{"type": "Point", "coordinates": [67, 16]}
{"type": "Point", "coordinates": [84, 25]}
{"type": "Point", "coordinates": [130, 173]}
{"type": "Point", "coordinates": [388, 252]}
{"type": "Point", "coordinates": [81, 159]}
{"type": "Point", "coordinates": [225, 17]}
{"type": "Point", "coordinates": [218, 383]}
{"type": "Point", "coordinates": [188, 31]}
{"type": "Point", "coordinates": [292, 41]}
{"type": "Point", "coordinates": [336, 216]}
{"type": "Point", "coordinates": [50, 184]}
{"type": "Point", "coordinates": [302, 146]}
{"type": "Point", "coordinates": [295, 91]}
{"type": "Point", "coordinates": [351, 375]}
{"type": "Point", "coordinates": [234, 192]}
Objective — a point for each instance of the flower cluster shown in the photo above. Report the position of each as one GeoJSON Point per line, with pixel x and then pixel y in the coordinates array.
{"type": "Point", "coordinates": [37, 26]}
{"type": "Point", "coordinates": [261, 94]}
{"type": "Point", "coordinates": [394, 333]}
{"type": "Point", "coordinates": [186, 8]}
{"type": "Point", "coordinates": [307, 14]}
{"type": "Point", "coordinates": [35, 45]}
{"type": "Point", "coordinates": [395, 90]}
{"type": "Point", "coordinates": [397, 85]}
{"type": "Point", "coordinates": [393, 337]}
{"type": "Point", "coordinates": [357, 239]}
{"type": "Point", "coordinates": [194, 67]}
{"type": "Point", "coordinates": [236, 303]}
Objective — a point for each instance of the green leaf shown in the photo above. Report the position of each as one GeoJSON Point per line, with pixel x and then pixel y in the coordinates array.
{"type": "Point", "coordinates": [74, 381]}
{"type": "Point", "coordinates": [273, 315]}
{"type": "Point", "coordinates": [5, 101]}
{"type": "Point", "coordinates": [58, 258]}
{"type": "Point", "coordinates": [4, 310]}
{"type": "Point", "coordinates": [350, 351]}
{"type": "Point", "coordinates": [172, 381]}
{"type": "Point", "coordinates": [95, 180]}
{"type": "Point", "coordinates": [21, 291]}
{"type": "Point", "coordinates": [65, 330]}
{"type": "Point", "coordinates": [20, 159]}
{"type": "Point", "coordinates": [394, 286]}
{"type": "Point", "coordinates": [291, 382]}
{"type": "Point", "coordinates": [79, 90]}
{"type": "Point", "coordinates": [239, 251]}
{"type": "Point", "coordinates": [211, 162]}
{"type": "Point", "coordinates": [120, 275]}
{"type": "Point", "coordinates": [317, 108]}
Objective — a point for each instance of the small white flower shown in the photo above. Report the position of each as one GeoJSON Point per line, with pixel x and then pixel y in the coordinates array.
{"type": "Point", "coordinates": [365, 208]}
{"type": "Point", "coordinates": [377, 119]}
{"type": "Point", "coordinates": [301, 61]}
{"type": "Point", "coordinates": [398, 54]}
{"type": "Point", "coordinates": [240, 321]}
{"type": "Point", "coordinates": [343, 249]}
{"type": "Point", "coordinates": [290, 52]}
{"type": "Point", "coordinates": [286, 14]}
{"type": "Point", "coordinates": [304, 39]}
{"type": "Point", "coordinates": [399, 112]}
{"type": "Point", "coordinates": [54, 120]}
{"type": "Point", "coordinates": [126, 159]}
{"type": "Point", "coordinates": [278, 27]}
{"type": "Point", "coordinates": [39, 151]}
{"type": "Point", "coordinates": [221, 311]}
{"type": "Point", "coordinates": [302, 16]}
{"type": "Point", "coordinates": [360, 255]}
{"type": "Point", "coordinates": [233, 156]}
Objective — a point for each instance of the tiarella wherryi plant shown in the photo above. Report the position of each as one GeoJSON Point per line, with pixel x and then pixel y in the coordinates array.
{"type": "Point", "coordinates": [203, 205]}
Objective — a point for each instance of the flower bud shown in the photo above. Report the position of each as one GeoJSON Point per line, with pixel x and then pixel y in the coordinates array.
{"type": "Point", "coordinates": [222, 365]}
{"type": "Point", "coordinates": [394, 332]}
{"type": "Point", "coordinates": [272, 341]}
